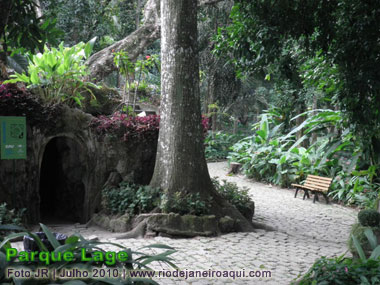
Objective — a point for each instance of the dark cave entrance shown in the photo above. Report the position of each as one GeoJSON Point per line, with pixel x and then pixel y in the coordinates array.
{"type": "Point", "coordinates": [62, 191]}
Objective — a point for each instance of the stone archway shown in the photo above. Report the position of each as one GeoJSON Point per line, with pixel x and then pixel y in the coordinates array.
{"type": "Point", "coordinates": [62, 188]}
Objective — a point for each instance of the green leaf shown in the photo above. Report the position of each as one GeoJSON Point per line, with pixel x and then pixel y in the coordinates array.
{"type": "Point", "coordinates": [50, 236]}
{"type": "Point", "coordinates": [89, 46]}
{"type": "Point", "coordinates": [375, 253]}
{"type": "Point", "coordinates": [359, 249]}
{"type": "Point", "coordinates": [372, 239]}
{"type": "Point", "coordinates": [34, 78]}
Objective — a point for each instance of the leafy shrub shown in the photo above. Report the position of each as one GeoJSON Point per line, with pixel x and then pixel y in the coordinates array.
{"type": "Point", "coordinates": [358, 231]}
{"type": "Point", "coordinates": [271, 156]}
{"type": "Point", "coordinates": [121, 125]}
{"type": "Point", "coordinates": [342, 271]}
{"type": "Point", "coordinates": [131, 198]}
{"type": "Point", "coordinates": [10, 216]}
{"type": "Point", "coordinates": [16, 101]}
{"type": "Point", "coordinates": [191, 204]}
{"type": "Point", "coordinates": [58, 74]}
{"type": "Point", "coordinates": [357, 187]}
{"type": "Point", "coordinates": [369, 218]}
{"type": "Point", "coordinates": [217, 145]}
{"type": "Point", "coordinates": [234, 195]}
{"type": "Point", "coordinates": [75, 243]}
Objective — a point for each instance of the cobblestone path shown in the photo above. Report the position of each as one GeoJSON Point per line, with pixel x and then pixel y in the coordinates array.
{"type": "Point", "coordinates": [303, 232]}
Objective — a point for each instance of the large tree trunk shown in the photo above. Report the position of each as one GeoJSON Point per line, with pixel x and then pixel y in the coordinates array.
{"type": "Point", "coordinates": [180, 162]}
{"type": "Point", "coordinates": [101, 63]}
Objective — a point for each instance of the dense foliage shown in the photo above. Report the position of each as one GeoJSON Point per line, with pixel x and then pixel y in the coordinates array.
{"type": "Point", "coordinates": [135, 260]}
{"type": "Point", "coordinates": [275, 156]}
{"type": "Point", "coordinates": [369, 218]}
{"type": "Point", "coordinates": [337, 38]}
{"type": "Point", "coordinates": [58, 75]}
{"type": "Point", "coordinates": [10, 216]}
{"type": "Point", "coordinates": [126, 127]}
{"type": "Point", "coordinates": [217, 145]}
{"type": "Point", "coordinates": [131, 198]}
{"type": "Point", "coordinates": [18, 101]}
{"type": "Point", "coordinates": [22, 27]}
{"type": "Point", "coordinates": [361, 269]}
{"type": "Point", "coordinates": [136, 199]}
{"type": "Point", "coordinates": [342, 271]}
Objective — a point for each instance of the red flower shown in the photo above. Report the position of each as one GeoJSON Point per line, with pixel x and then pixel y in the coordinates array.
{"type": "Point", "coordinates": [147, 57]}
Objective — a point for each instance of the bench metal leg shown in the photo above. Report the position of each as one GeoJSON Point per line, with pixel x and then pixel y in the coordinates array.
{"type": "Point", "coordinates": [326, 198]}
{"type": "Point", "coordinates": [296, 192]}
{"type": "Point", "coordinates": [306, 194]}
{"type": "Point", "coordinates": [315, 197]}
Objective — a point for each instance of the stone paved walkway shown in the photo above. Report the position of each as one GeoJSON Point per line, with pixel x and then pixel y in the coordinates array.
{"type": "Point", "coordinates": [304, 232]}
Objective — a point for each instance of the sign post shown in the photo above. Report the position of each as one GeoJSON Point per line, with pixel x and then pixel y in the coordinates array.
{"type": "Point", "coordinates": [13, 137]}
{"type": "Point", "coordinates": [13, 141]}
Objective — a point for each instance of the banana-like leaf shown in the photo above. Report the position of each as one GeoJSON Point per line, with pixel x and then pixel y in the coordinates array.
{"type": "Point", "coordinates": [359, 248]}
{"type": "Point", "coordinates": [372, 239]}
{"type": "Point", "coordinates": [50, 236]}
{"type": "Point", "coordinates": [375, 253]}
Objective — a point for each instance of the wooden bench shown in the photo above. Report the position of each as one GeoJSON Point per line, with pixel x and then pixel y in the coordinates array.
{"type": "Point", "coordinates": [316, 185]}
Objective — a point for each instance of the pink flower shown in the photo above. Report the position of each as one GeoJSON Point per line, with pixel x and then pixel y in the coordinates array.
{"type": "Point", "coordinates": [147, 57]}
{"type": "Point", "coordinates": [346, 269]}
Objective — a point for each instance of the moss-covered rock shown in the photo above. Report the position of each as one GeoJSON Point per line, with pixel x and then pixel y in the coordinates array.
{"type": "Point", "coordinates": [184, 226]}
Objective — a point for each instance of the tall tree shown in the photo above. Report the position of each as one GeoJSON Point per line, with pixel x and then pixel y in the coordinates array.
{"type": "Point", "coordinates": [180, 162]}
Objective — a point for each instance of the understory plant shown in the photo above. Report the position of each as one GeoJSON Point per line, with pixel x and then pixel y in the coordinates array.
{"type": "Point", "coordinates": [76, 243]}
{"type": "Point", "coordinates": [18, 101]}
{"type": "Point", "coordinates": [185, 204]}
{"type": "Point", "coordinates": [217, 145]}
{"type": "Point", "coordinates": [348, 270]}
{"type": "Point", "coordinates": [135, 199]}
{"type": "Point", "coordinates": [275, 156]}
{"type": "Point", "coordinates": [10, 216]}
{"type": "Point", "coordinates": [134, 73]}
{"type": "Point", "coordinates": [236, 196]}
{"type": "Point", "coordinates": [59, 74]}
{"type": "Point", "coordinates": [125, 127]}
{"type": "Point", "coordinates": [131, 198]}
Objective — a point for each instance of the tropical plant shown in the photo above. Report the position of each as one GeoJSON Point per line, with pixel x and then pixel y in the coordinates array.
{"type": "Point", "coordinates": [217, 145]}
{"type": "Point", "coordinates": [279, 158]}
{"type": "Point", "coordinates": [192, 204]}
{"type": "Point", "coordinates": [133, 73]}
{"type": "Point", "coordinates": [343, 270]}
{"type": "Point", "coordinates": [235, 195]}
{"type": "Point", "coordinates": [10, 216]}
{"type": "Point", "coordinates": [75, 244]}
{"type": "Point", "coordinates": [131, 198]}
{"type": "Point", "coordinates": [58, 74]}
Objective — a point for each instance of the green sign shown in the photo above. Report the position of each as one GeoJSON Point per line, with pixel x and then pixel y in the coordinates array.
{"type": "Point", "coordinates": [13, 137]}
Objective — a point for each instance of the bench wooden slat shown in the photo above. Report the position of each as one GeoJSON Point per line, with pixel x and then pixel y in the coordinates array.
{"type": "Point", "coordinates": [315, 184]}
{"type": "Point", "coordinates": [318, 181]}
{"type": "Point", "coordinates": [320, 178]}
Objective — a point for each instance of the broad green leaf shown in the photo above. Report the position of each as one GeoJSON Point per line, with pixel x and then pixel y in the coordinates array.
{"type": "Point", "coordinates": [375, 253]}
{"type": "Point", "coordinates": [50, 236]}
{"type": "Point", "coordinates": [359, 248]}
{"type": "Point", "coordinates": [372, 239]}
{"type": "Point", "coordinates": [89, 46]}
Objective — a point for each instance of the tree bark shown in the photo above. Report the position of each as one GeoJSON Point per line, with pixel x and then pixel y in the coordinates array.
{"type": "Point", "coordinates": [180, 161]}
{"type": "Point", "coordinates": [101, 63]}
